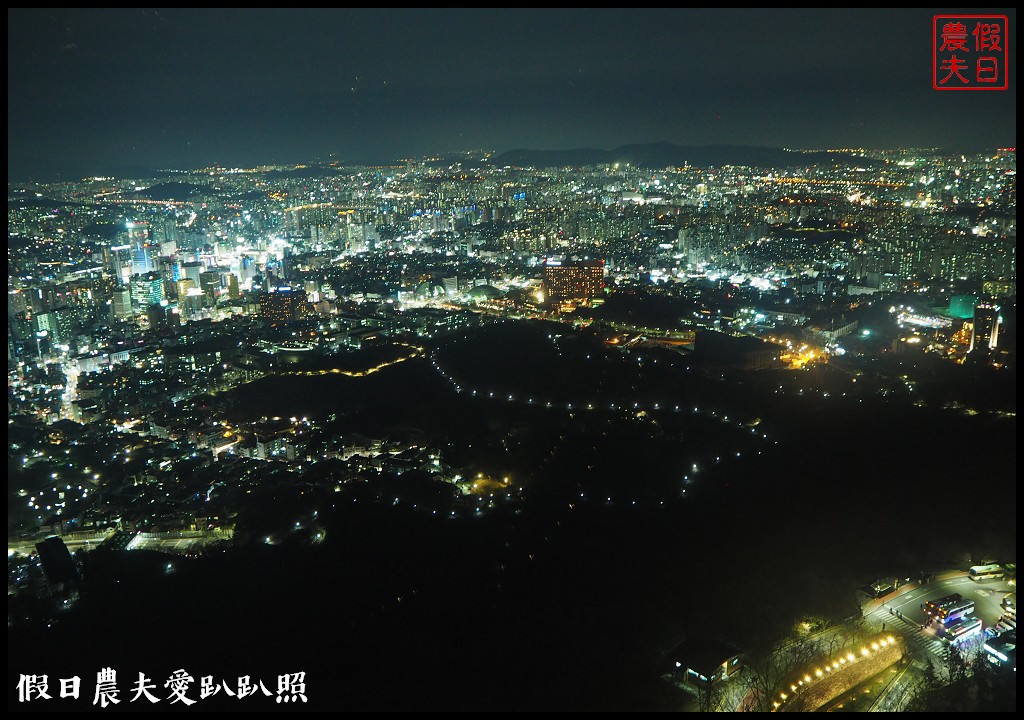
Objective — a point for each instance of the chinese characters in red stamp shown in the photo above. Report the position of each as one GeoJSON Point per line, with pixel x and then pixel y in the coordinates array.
{"type": "Point", "coordinates": [970, 52]}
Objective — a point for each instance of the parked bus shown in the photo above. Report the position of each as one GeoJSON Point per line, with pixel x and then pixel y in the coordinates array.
{"type": "Point", "coordinates": [932, 607]}
{"type": "Point", "coordinates": [961, 630]}
{"type": "Point", "coordinates": [986, 572]}
{"type": "Point", "coordinates": [954, 611]}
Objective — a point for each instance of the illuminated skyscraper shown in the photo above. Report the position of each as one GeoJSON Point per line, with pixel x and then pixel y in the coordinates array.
{"type": "Point", "coordinates": [147, 289]}
{"type": "Point", "coordinates": [118, 260]}
{"type": "Point", "coordinates": [60, 324]}
{"type": "Point", "coordinates": [162, 315]}
{"type": "Point", "coordinates": [121, 303]}
{"type": "Point", "coordinates": [230, 282]}
{"type": "Point", "coordinates": [192, 271]}
{"type": "Point", "coordinates": [282, 306]}
{"type": "Point", "coordinates": [143, 252]}
{"type": "Point", "coordinates": [138, 233]}
{"type": "Point", "coordinates": [209, 283]}
{"type": "Point", "coordinates": [985, 335]}
{"type": "Point", "coordinates": [573, 279]}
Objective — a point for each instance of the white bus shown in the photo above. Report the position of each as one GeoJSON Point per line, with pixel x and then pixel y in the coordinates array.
{"type": "Point", "coordinates": [932, 607]}
{"type": "Point", "coordinates": [962, 630]}
{"type": "Point", "coordinates": [949, 614]}
{"type": "Point", "coordinates": [986, 572]}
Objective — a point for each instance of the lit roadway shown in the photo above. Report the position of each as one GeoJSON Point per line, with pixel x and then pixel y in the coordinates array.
{"type": "Point", "coordinates": [67, 409]}
{"type": "Point", "coordinates": [177, 546]}
{"type": "Point", "coordinates": [78, 541]}
{"type": "Point", "coordinates": [164, 542]}
{"type": "Point", "coordinates": [986, 596]}
{"type": "Point", "coordinates": [415, 351]}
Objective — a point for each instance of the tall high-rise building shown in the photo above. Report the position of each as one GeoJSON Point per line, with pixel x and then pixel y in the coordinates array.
{"type": "Point", "coordinates": [162, 315]}
{"type": "Point", "coordinates": [191, 301]}
{"type": "Point", "coordinates": [59, 323]}
{"type": "Point", "coordinates": [230, 282]}
{"type": "Point", "coordinates": [16, 302]}
{"type": "Point", "coordinates": [138, 233]}
{"type": "Point", "coordinates": [121, 303]}
{"type": "Point", "coordinates": [147, 289]}
{"type": "Point", "coordinates": [118, 260]}
{"type": "Point", "coordinates": [246, 268]}
{"type": "Point", "coordinates": [985, 335]}
{"type": "Point", "coordinates": [144, 253]}
{"type": "Point", "coordinates": [282, 305]}
{"type": "Point", "coordinates": [170, 268]}
{"type": "Point", "coordinates": [209, 283]}
{"type": "Point", "coordinates": [165, 236]}
{"type": "Point", "coordinates": [573, 279]}
{"type": "Point", "coordinates": [183, 286]}
{"type": "Point", "coordinates": [142, 259]}
{"type": "Point", "coordinates": [192, 271]}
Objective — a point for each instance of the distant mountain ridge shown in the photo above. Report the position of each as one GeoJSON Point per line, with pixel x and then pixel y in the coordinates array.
{"type": "Point", "coordinates": [664, 154]}
{"type": "Point", "coordinates": [176, 191]}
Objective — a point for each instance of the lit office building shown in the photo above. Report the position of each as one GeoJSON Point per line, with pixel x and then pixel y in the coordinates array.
{"type": "Point", "coordinates": [282, 305]}
{"type": "Point", "coordinates": [147, 289]}
{"type": "Point", "coordinates": [121, 303]}
{"type": "Point", "coordinates": [573, 279]}
{"type": "Point", "coordinates": [985, 335]}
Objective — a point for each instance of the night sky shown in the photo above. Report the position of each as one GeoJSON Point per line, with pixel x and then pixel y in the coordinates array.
{"type": "Point", "coordinates": [117, 90]}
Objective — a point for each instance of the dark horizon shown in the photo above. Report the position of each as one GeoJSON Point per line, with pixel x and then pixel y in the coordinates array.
{"type": "Point", "coordinates": [454, 154]}
{"type": "Point", "coordinates": [91, 92]}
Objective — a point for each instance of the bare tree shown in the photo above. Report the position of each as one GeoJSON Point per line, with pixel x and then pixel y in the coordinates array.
{"type": "Point", "coordinates": [914, 696]}
{"type": "Point", "coordinates": [956, 666]}
{"type": "Point", "coordinates": [769, 673]}
{"type": "Point", "coordinates": [709, 694]}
